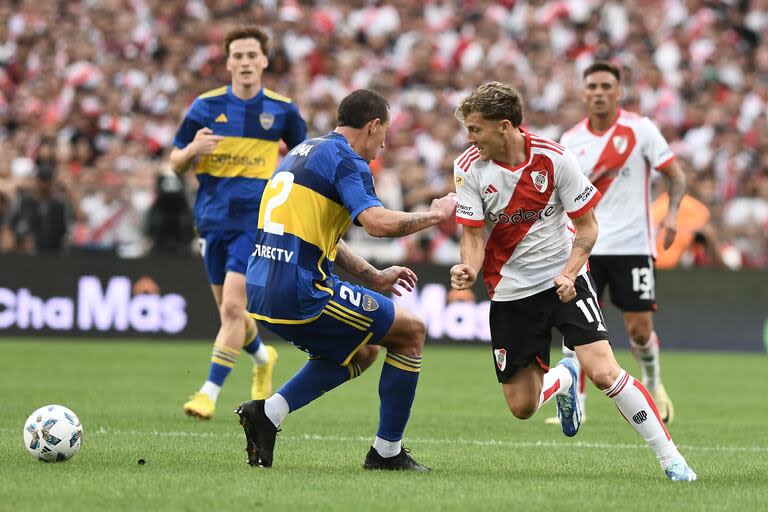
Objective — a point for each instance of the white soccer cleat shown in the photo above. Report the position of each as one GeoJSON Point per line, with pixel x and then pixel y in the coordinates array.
{"type": "Point", "coordinates": [680, 471]}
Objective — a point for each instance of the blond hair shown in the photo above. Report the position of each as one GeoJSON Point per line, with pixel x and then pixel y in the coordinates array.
{"type": "Point", "coordinates": [493, 100]}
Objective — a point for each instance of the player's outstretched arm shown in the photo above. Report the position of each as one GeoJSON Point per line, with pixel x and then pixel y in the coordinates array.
{"type": "Point", "coordinates": [465, 273]}
{"type": "Point", "coordinates": [380, 222]}
{"type": "Point", "coordinates": [675, 181]}
{"type": "Point", "coordinates": [388, 280]}
{"type": "Point", "coordinates": [203, 144]}
{"type": "Point", "coordinates": [583, 242]}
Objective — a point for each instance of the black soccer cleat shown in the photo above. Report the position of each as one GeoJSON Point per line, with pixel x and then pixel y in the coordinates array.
{"type": "Point", "coordinates": [260, 433]}
{"type": "Point", "coordinates": [400, 462]}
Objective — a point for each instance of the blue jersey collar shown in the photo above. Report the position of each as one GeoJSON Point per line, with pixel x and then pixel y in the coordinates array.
{"type": "Point", "coordinates": [232, 96]}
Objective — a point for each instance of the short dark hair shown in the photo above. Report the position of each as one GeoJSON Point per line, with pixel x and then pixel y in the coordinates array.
{"type": "Point", "coordinates": [495, 101]}
{"type": "Point", "coordinates": [362, 106]}
{"type": "Point", "coordinates": [602, 65]}
{"type": "Point", "coordinates": [247, 32]}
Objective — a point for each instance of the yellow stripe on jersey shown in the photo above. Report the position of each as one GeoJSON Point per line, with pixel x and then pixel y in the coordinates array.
{"type": "Point", "coordinates": [242, 157]}
{"type": "Point", "coordinates": [283, 320]}
{"type": "Point", "coordinates": [214, 92]}
{"type": "Point", "coordinates": [349, 318]}
{"type": "Point", "coordinates": [360, 317]}
{"type": "Point", "coordinates": [308, 215]}
{"type": "Point", "coordinates": [340, 318]}
{"type": "Point", "coordinates": [269, 93]}
{"type": "Point", "coordinates": [352, 354]}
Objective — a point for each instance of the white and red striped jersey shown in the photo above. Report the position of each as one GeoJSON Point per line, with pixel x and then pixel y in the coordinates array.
{"type": "Point", "coordinates": [619, 163]}
{"type": "Point", "coordinates": [524, 211]}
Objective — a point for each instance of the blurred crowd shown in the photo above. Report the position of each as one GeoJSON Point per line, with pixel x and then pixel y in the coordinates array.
{"type": "Point", "coordinates": [91, 93]}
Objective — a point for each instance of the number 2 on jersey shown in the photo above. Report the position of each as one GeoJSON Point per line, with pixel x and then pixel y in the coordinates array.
{"type": "Point", "coordinates": [286, 179]}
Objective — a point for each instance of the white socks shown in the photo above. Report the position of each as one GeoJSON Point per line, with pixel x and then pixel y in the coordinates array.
{"type": "Point", "coordinates": [648, 357]}
{"type": "Point", "coordinates": [261, 356]}
{"type": "Point", "coordinates": [276, 409]}
{"type": "Point", "coordinates": [556, 381]}
{"type": "Point", "coordinates": [387, 448]}
{"type": "Point", "coordinates": [211, 389]}
{"type": "Point", "coordinates": [637, 407]}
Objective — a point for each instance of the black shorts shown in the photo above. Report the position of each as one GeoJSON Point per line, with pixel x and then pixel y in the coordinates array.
{"type": "Point", "coordinates": [521, 330]}
{"type": "Point", "coordinates": [631, 281]}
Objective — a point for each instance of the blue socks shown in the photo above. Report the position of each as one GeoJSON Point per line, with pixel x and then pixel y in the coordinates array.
{"type": "Point", "coordinates": [315, 378]}
{"type": "Point", "coordinates": [397, 389]}
{"type": "Point", "coordinates": [222, 361]}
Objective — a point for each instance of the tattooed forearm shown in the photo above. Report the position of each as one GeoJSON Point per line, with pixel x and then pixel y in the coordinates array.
{"type": "Point", "coordinates": [586, 244]}
{"type": "Point", "coordinates": [414, 222]}
{"type": "Point", "coordinates": [353, 263]}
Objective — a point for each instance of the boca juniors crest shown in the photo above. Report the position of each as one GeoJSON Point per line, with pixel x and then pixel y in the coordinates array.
{"type": "Point", "coordinates": [500, 354]}
{"type": "Point", "coordinates": [620, 143]}
{"type": "Point", "coordinates": [540, 180]}
{"type": "Point", "coordinates": [267, 120]}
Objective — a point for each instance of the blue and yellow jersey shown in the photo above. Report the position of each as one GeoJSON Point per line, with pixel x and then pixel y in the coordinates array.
{"type": "Point", "coordinates": [232, 178]}
{"type": "Point", "coordinates": [321, 186]}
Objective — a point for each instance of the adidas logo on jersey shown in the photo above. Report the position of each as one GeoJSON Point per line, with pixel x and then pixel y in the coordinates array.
{"type": "Point", "coordinates": [490, 190]}
{"type": "Point", "coordinates": [221, 119]}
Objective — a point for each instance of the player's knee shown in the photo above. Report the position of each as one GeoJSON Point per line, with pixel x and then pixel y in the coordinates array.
{"type": "Point", "coordinates": [366, 356]}
{"type": "Point", "coordinates": [417, 335]}
{"type": "Point", "coordinates": [231, 311]}
{"type": "Point", "coordinates": [639, 332]}
{"type": "Point", "coordinates": [603, 377]}
{"type": "Point", "coordinates": [522, 410]}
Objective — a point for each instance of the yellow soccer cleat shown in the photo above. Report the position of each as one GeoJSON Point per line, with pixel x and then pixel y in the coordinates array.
{"type": "Point", "coordinates": [663, 403]}
{"type": "Point", "coordinates": [200, 406]}
{"type": "Point", "coordinates": [261, 389]}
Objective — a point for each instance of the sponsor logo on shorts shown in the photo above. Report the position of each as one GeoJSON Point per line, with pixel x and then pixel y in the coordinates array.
{"type": "Point", "coordinates": [500, 354]}
{"type": "Point", "coordinates": [640, 417]}
{"type": "Point", "coordinates": [369, 303]}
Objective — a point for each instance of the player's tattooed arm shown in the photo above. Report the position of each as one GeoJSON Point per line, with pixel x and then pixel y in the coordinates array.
{"type": "Point", "coordinates": [586, 244]}
{"type": "Point", "coordinates": [674, 178]}
{"type": "Point", "coordinates": [415, 222]}
{"type": "Point", "coordinates": [354, 264]}
{"type": "Point", "coordinates": [393, 279]}
{"type": "Point", "coordinates": [381, 222]}
{"type": "Point", "coordinates": [584, 240]}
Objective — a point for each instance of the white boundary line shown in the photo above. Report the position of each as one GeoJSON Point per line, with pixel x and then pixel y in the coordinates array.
{"type": "Point", "coordinates": [417, 441]}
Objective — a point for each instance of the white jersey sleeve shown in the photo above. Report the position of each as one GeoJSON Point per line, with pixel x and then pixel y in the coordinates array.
{"type": "Point", "coordinates": [655, 147]}
{"type": "Point", "coordinates": [576, 192]}
{"type": "Point", "coordinates": [469, 201]}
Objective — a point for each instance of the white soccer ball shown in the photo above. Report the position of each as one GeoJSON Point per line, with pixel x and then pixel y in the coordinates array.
{"type": "Point", "coordinates": [52, 433]}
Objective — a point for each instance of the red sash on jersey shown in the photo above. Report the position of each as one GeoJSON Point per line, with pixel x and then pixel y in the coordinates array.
{"type": "Point", "coordinates": [505, 237]}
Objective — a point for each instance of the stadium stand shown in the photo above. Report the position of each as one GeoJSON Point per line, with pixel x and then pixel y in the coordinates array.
{"type": "Point", "coordinates": [91, 93]}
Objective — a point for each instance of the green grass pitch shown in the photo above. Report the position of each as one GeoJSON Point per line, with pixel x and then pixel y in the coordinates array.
{"type": "Point", "coordinates": [128, 396]}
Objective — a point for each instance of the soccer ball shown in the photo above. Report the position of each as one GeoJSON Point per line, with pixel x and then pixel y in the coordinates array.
{"type": "Point", "coordinates": [52, 433]}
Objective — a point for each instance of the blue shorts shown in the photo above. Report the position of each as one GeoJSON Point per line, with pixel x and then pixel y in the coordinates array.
{"type": "Point", "coordinates": [225, 251]}
{"type": "Point", "coordinates": [353, 317]}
